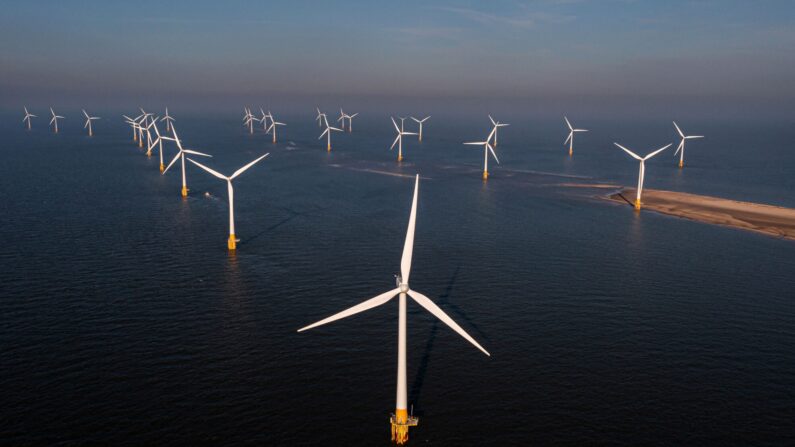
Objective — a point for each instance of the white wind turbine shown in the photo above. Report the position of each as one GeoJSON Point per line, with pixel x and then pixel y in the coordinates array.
{"type": "Point", "coordinates": [232, 242]}
{"type": "Point", "coordinates": [399, 138]}
{"type": "Point", "coordinates": [350, 121]}
{"type": "Point", "coordinates": [143, 125]}
{"type": "Point", "coordinates": [159, 142]}
{"type": "Point", "coordinates": [343, 117]}
{"type": "Point", "coordinates": [642, 172]}
{"type": "Point", "coordinates": [420, 123]}
{"type": "Point", "coordinates": [496, 125]}
{"type": "Point", "coordinates": [486, 149]}
{"type": "Point", "coordinates": [320, 118]}
{"type": "Point", "coordinates": [149, 141]}
{"type": "Point", "coordinates": [274, 123]}
{"type": "Point", "coordinates": [55, 119]}
{"type": "Point", "coordinates": [327, 133]}
{"type": "Point", "coordinates": [401, 420]}
{"type": "Point", "coordinates": [681, 149]}
{"type": "Point", "coordinates": [181, 155]}
{"type": "Point", "coordinates": [28, 117]}
{"type": "Point", "coordinates": [264, 119]}
{"type": "Point", "coordinates": [88, 123]}
{"type": "Point", "coordinates": [168, 119]}
{"type": "Point", "coordinates": [249, 121]}
{"type": "Point", "coordinates": [570, 138]}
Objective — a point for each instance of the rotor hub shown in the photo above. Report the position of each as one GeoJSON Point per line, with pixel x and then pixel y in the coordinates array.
{"type": "Point", "coordinates": [404, 287]}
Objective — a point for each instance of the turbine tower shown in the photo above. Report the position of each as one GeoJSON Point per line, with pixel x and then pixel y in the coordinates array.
{"type": "Point", "coordinates": [401, 420]}
{"type": "Point", "coordinates": [399, 138]}
{"type": "Point", "coordinates": [642, 172]}
{"type": "Point", "coordinates": [486, 149]}
{"type": "Point", "coordinates": [232, 242]}
{"type": "Point", "coordinates": [681, 149]}
{"type": "Point", "coordinates": [570, 138]}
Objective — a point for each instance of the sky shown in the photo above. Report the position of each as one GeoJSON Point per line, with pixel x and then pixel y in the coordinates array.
{"type": "Point", "coordinates": [725, 53]}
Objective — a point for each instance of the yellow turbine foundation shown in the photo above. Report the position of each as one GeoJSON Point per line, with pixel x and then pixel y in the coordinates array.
{"type": "Point", "coordinates": [570, 152]}
{"type": "Point", "coordinates": [400, 157]}
{"type": "Point", "coordinates": [637, 204]}
{"type": "Point", "coordinates": [184, 191]}
{"type": "Point", "coordinates": [401, 421]}
{"type": "Point", "coordinates": [232, 242]}
{"type": "Point", "coordinates": [485, 175]}
{"type": "Point", "coordinates": [328, 148]}
{"type": "Point", "coordinates": [162, 167]}
{"type": "Point", "coordinates": [681, 163]}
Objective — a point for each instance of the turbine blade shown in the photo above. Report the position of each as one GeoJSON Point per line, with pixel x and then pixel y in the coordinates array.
{"type": "Point", "coordinates": [568, 123]}
{"type": "Point", "coordinates": [568, 138]}
{"type": "Point", "coordinates": [431, 307]}
{"type": "Point", "coordinates": [394, 142]}
{"type": "Point", "coordinates": [243, 169]}
{"type": "Point", "coordinates": [395, 124]}
{"type": "Point", "coordinates": [679, 130]}
{"type": "Point", "coordinates": [324, 132]}
{"type": "Point", "coordinates": [679, 148]}
{"type": "Point", "coordinates": [361, 307]}
{"type": "Point", "coordinates": [692, 137]}
{"type": "Point", "coordinates": [492, 120]}
{"type": "Point", "coordinates": [176, 157]}
{"type": "Point", "coordinates": [629, 152]}
{"type": "Point", "coordinates": [188, 151]}
{"type": "Point", "coordinates": [215, 173]}
{"type": "Point", "coordinates": [408, 246]}
{"type": "Point", "coordinates": [657, 152]}
{"type": "Point", "coordinates": [493, 153]}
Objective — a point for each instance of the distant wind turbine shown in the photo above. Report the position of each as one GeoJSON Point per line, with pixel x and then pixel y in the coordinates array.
{"type": "Point", "coordinates": [350, 121]}
{"type": "Point", "coordinates": [55, 119]}
{"type": "Point", "coordinates": [159, 142]}
{"type": "Point", "coordinates": [264, 119]}
{"type": "Point", "coordinates": [327, 133]}
{"type": "Point", "coordinates": [28, 117]}
{"type": "Point", "coordinates": [88, 123]}
{"type": "Point", "coordinates": [320, 117]}
{"type": "Point", "coordinates": [343, 117]}
{"type": "Point", "coordinates": [168, 119]}
{"type": "Point", "coordinates": [181, 156]}
{"type": "Point", "coordinates": [642, 172]}
{"type": "Point", "coordinates": [401, 420]}
{"type": "Point", "coordinates": [399, 138]}
{"type": "Point", "coordinates": [486, 149]}
{"type": "Point", "coordinates": [232, 242]}
{"type": "Point", "coordinates": [570, 138]}
{"type": "Point", "coordinates": [681, 148]}
{"type": "Point", "coordinates": [249, 121]}
{"type": "Point", "coordinates": [420, 123]}
{"type": "Point", "coordinates": [274, 123]}
{"type": "Point", "coordinates": [496, 125]}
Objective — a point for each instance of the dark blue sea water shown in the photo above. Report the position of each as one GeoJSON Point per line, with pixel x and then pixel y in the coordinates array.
{"type": "Point", "coordinates": [125, 321]}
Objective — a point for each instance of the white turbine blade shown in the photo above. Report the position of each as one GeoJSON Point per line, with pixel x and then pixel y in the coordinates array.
{"type": "Point", "coordinates": [580, 130]}
{"type": "Point", "coordinates": [395, 124]}
{"type": "Point", "coordinates": [477, 143]}
{"type": "Point", "coordinates": [408, 246]}
{"type": "Point", "coordinates": [324, 132]}
{"type": "Point", "coordinates": [215, 173]}
{"type": "Point", "coordinates": [408, 133]}
{"type": "Point", "coordinates": [334, 128]}
{"type": "Point", "coordinates": [692, 137]}
{"type": "Point", "coordinates": [86, 125]}
{"type": "Point", "coordinates": [176, 157]}
{"type": "Point", "coordinates": [492, 120]}
{"type": "Point", "coordinates": [192, 152]}
{"type": "Point", "coordinates": [493, 153]}
{"type": "Point", "coordinates": [568, 138]}
{"type": "Point", "coordinates": [270, 127]}
{"type": "Point", "coordinates": [635, 156]}
{"type": "Point", "coordinates": [431, 307]}
{"type": "Point", "coordinates": [415, 119]}
{"type": "Point", "coordinates": [397, 138]}
{"type": "Point", "coordinates": [84, 113]}
{"type": "Point", "coordinates": [656, 152]}
{"type": "Point", "coordinates": [279, 124]}
{"type": "Point", "coordinates": [243, 169]}
{"type": "Point", "coordinates": [568, 123]}
{"type": "Point", "coordinates": [354, 115]}
{"type": "Point", "coordinates": [679, 148]}
{"type": "Point", "coordinates": [361, 307]}
{"type": "Point", "coordinates": [679, 130]}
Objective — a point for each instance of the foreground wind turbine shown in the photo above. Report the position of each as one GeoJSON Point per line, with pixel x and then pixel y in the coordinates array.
{"type": "Point", "coordinates": [486, 149]}
{"type": "Point", "coordinates": [168, 119]}
{"type": "Point", "coordinates": [27, 117]}
{"type": "Point", "coordinates": [642, 172]}
{"type": "Point", "coordinates": [681, 149]}
{"type": "Point", "coordinates": [570, 138]}
{"type": "Point", "coordinates": [232, 243]}
{"type": "Point", "coordinates": [399, 138]}
{"type": "Point", "coordinates": [181, 155]}
{"type": "Point", "coordinates": [401, 420]}
{"type": "Point", "coordinates": [274, 123]}
{"type": "Point", "coordinates": [88, 123]}
{"type": "Point", "coordinates": [496, 125]}
{"type": "Point", "coordinates": [420, 123]}
{"type": "Point", "coordinates": [55, 119]}
{"type": "Point", "coordinates": [327, 133]}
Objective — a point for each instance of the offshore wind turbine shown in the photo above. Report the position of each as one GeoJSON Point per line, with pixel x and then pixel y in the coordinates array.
{"type": "Point", "coordinates": [496, 125]}
{"type": "Point", "coordinates": [320, 118]}
{"type": "Point", "coordinates": [570, 138]}
{"type": "Point", "coordinates": [55, 119]}
{"type": "Point", "coordinates": [681, 148]}
{"type": "Point", "coordinates": [343, 117]}
{"type": "Point", "coordinates": [88, 123]}
{"type": "Point", "coordinates": [181, 155]}
{"type": "Point", "coordinates": [420, 123]}
{"type": "Point", "coordinates": [249, 121]}
{"type": "Point", "coordinates": [400, 421]}
{"type": "Point", "coordinates": [486, 149]}
{"type": "Point", "coordinates": [350, 121]}
{"type": "Point", "coordinates": [152, 123]}
{"type": "Point", "coordinates": [274, 123]}
{"type": "Point", "coordinates": [232, 242]}
{"type": "Point", "coordinates": [168, 119]}
{"type": "Point", "coordinates": [28, 117]}
{"type": "Point", "coordinates": [327, 133]}
{"type": "Point", "coordinates": [264, 119]}
{"type": "Point", "coordinates": [159, 142]}
{"type": "Point", "coordinates": [642, 172]}
{"type": "Point", "coordinates": [399, 138]}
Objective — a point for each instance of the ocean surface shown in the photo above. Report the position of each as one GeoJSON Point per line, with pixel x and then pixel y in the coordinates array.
{"type": "Point", "coordinates": [125, 321]}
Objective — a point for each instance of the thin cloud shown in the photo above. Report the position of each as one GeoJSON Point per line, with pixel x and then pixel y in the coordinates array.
{"type": "Point", "coordinates": [525, 20]}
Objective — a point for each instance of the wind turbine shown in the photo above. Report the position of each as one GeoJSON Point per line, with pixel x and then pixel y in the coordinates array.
{"type": "Point", "coordinates": [55, 119]}
{"type": "Point", "coordinates": [350, 121]}
{"type": "Point", "coordinates": [399, 138]}
{"type": "Point", "coordinates": [27, 117]}
{"type": "Point", "coordinates": [642, 172]}
{"type": "Point", "coordinates": [497, 125]}
{"type": "Point", "coordinates": [320, 118]}
{"type": "Point", "coordinates": [249, 121]}
{"type": "Point", "coordinates": [88, 123]}
{"type": "Point", "coordinates": [681, 149]}
{"type": "Point", "coordinates": [143, 126]}
{"type": "Point", "coordinates": [232, 242]}
{"type": "Point", "coordinates": [401, 420]}
{"type": "Point", "coordinates": [159, 142]}
{"type": "Point", "coordinates": [168, 119]}
{"type": "Point", "coordinates": [327, 133]}
{"type": "Point", "coordinates": [181, 155]}
{"type": "Point", "coordinates": [342, 118]}
{"type": "Point", "coordinates": [274, 123]}
{"type": "Point", "coordinates": [486, 149]}
{"type": "Point", "coordinates": [570, 138]}
{"type": "Point", "coordinates": [420, 123]}
{"type": "Point", "coordinates": [264, 119]}
{"type": "Point", "coordinates": [149, 141]}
